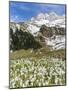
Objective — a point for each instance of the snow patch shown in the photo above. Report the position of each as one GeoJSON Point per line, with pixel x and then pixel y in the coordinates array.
{"type": "Point", "coordinates": [33, 29]}
{"type": "Point", "coordinates": [57, 43]}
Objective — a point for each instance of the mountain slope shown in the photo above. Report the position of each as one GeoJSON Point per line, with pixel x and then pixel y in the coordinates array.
{"type": "Point", "coordinates": [50, 26]}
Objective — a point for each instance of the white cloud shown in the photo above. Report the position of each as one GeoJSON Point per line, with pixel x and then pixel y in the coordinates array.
{"type": "Point", "coordinates": [14, 18]}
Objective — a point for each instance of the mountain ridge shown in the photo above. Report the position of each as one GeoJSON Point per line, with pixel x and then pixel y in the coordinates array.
{"type": "Point", "coordinates": [52, 27]}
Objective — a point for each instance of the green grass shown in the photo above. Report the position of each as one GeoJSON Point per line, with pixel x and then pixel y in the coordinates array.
{"type": "Point", "coordinates": [37, 54]}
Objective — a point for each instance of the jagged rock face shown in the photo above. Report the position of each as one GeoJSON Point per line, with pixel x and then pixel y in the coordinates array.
{"type": "Point", "coordinates": [20, 26]}
{"type": "Point", "coordinates": [54, 37]}
{"type": "Point", "coordinates": [47, 32]}
{"type": "Point", "coordinates": [50, 31]}
{"type": "Point", "coordinates": [50, 36]}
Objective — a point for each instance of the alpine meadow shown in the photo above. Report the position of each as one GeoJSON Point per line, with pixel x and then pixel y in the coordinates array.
{"type": "Point", "coordinates": [37, 41]}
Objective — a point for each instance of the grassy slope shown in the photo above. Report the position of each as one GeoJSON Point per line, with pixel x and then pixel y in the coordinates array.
{"type": "Point", "coordinates": [44, 52]}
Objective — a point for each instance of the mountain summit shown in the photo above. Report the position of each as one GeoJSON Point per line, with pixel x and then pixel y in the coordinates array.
{"type": "Point", "coordinates": [49, 19]}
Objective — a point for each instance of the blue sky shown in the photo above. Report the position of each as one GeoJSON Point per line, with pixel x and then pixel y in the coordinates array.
{"type": "Point", "coordinates": [22, 11]}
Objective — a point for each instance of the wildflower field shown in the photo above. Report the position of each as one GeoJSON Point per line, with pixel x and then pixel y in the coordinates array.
{"type": "Point", "coordinates": [30, 72]}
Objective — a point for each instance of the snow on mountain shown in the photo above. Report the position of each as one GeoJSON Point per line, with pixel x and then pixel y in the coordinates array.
{"type": "Point", "coordinates": [40, 16]}
{"type": "Point", "coordinates": [49, 19]}
{"type": "Point", "coordinates": [14, 26]}
{"type": "Point", "coordinates": [59, 22]}
{"type": "Point", "coordinates": [53, 16]}
{"type": "Point", "coordinates": [32, 19]}
{"type": "Point", "coordinates": [40, 23]}
{"type": "Point", "coordinates": [57, 43]}
{"type": "Point", "coordinates": [32, 29]}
